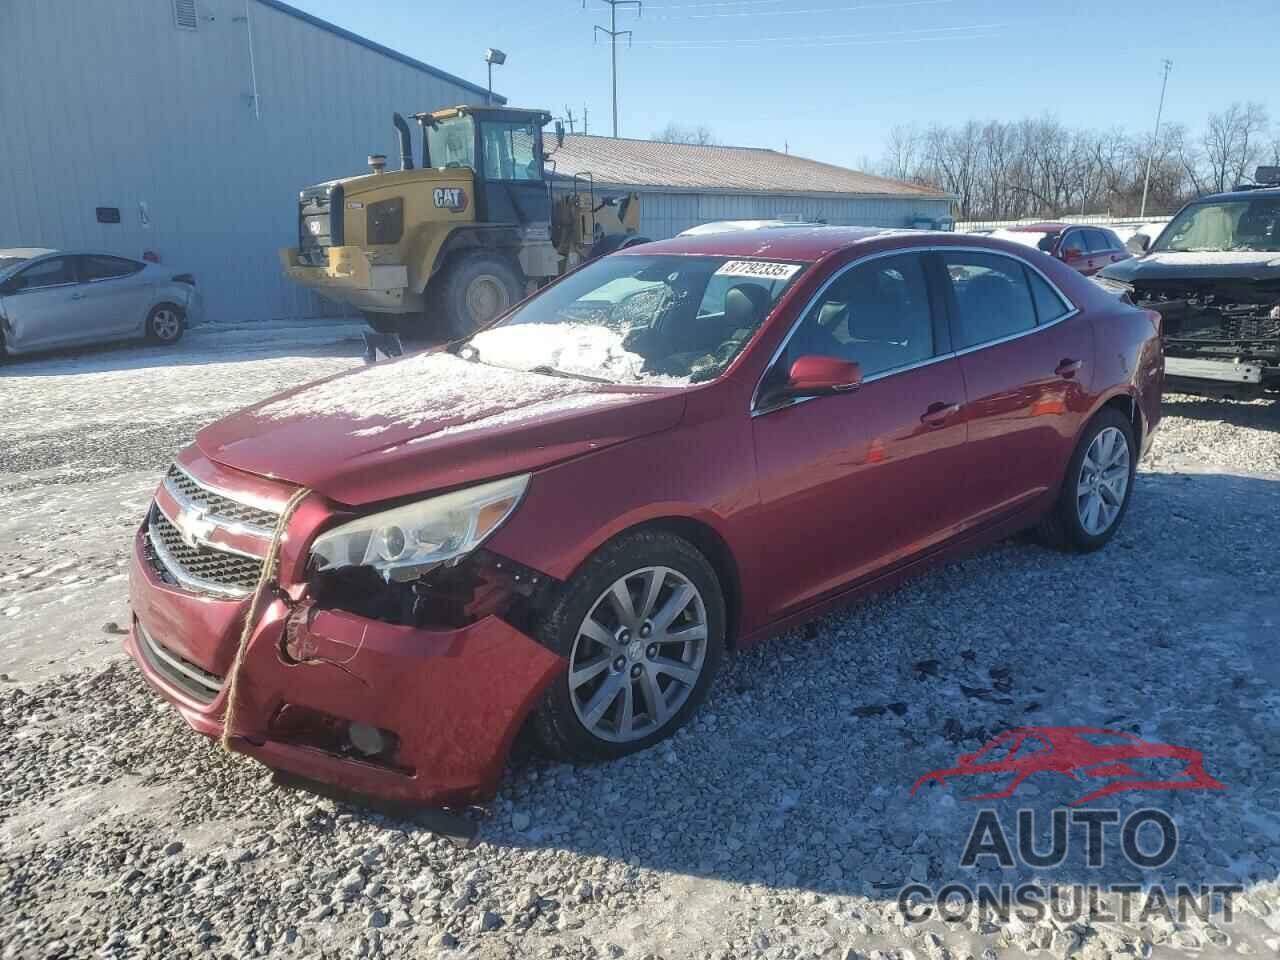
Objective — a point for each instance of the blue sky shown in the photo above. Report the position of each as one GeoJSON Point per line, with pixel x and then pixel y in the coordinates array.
{"type": "Point", "coordinates": [831, 77]}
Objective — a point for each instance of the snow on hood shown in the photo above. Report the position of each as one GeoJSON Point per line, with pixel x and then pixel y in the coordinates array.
{"type": "Point", "coordinates": [429, 388]}
{"type": "Point", "coordinates": [1210, 258]}
{"type": "Point", "coordinates": [590, 350]}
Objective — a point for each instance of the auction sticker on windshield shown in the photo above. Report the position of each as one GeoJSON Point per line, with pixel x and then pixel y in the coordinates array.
{"type": "Point", "coordinates": [758, 268]}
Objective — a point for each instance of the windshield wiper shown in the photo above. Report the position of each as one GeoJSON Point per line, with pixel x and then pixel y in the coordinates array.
{"type": "Point", "coordinates": [553, 372]}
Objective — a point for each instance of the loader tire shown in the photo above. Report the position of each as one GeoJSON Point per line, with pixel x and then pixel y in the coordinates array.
{"type": "Point", "coordinates": [478, 288]}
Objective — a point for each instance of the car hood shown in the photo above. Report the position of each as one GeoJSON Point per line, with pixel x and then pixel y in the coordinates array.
{"type": "Point", "coordinates": [1164, 266]}
{"type": "Point", "coordinates": [430, 422]}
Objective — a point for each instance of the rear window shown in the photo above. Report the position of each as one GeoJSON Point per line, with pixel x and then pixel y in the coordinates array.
{"type": "Point", "coordinates": [107, 268]}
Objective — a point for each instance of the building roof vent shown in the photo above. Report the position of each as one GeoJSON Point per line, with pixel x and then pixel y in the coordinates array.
{"type": "Point", "coordinates": [184, 14]}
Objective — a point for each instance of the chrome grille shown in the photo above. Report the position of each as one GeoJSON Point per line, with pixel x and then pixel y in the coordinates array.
{"type": "Point", "coordinates": [199, 568]}
{"type": "Point", "coordinates": [217, 505]}
{"type": "Point", "coordinates": [196, 682]}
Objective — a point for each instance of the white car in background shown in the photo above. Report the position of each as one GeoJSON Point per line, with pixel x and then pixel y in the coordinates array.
{"type": "Point", "coordinates": [57, 298]}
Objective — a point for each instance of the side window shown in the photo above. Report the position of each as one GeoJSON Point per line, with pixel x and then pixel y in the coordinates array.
{"type": "Point", "coordinates": [46, 273]}
{"type": "Point", "coordinates": [991, 296]}
{"type": "Point", "coordinates": [876, 314]}
{"type": "Point", "coordinates": [1049, 305]}
{"type": "Point", "coordinates": [107, 268]}
{"type": "Point", "coordinates": [1074, 242]}
{"type": "Point", "coordinates": [1098, 241]}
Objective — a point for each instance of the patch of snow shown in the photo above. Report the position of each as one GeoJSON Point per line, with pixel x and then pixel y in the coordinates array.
{"type": "Point", "coordinates": [506, 418]}
{"type": "Point", "coordinates": [423, 388]}
{"type": "Point", "coordinates": [1224, 258]}
{"type": "Point", "coordinates": [1028, 238]}
{"type": "Point", "coordinates": [591, 350]}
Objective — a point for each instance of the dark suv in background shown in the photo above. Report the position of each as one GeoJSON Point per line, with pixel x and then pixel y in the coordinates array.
{"type": "Point", "coordinates": [1213, 274]}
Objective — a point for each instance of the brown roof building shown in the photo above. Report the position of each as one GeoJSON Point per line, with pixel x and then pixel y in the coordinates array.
{"type": "Point", "coordinates": [683, 185]}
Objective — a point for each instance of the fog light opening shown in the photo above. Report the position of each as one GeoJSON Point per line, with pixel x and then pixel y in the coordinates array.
{"type": "Point", "coordinates": [368, 740]}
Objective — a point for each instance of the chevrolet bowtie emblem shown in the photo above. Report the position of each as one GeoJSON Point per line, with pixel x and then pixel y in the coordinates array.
{"type": "Point", "coordinates": [193, 525]}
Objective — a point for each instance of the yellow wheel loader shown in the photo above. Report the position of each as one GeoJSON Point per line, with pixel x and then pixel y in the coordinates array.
{"type": "Point", "coordinates": [440, 250]}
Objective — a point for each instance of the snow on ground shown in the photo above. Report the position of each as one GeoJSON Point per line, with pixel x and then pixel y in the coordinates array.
{"type": "Point", "coordinates": [778, 826]}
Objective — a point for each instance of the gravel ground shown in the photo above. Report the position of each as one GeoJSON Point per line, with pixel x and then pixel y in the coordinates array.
{"type": "Point", "coordinates": [779, 825]}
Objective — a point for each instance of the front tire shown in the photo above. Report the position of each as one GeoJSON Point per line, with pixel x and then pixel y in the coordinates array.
{"type": "Point", "coordinates": [477, 288]}
{"type": "Point", "coordinates": [1096, 491]}
{"type": "Point", "coordinates": [642, 624]}
{"type": "Point", "coordinates": [166, 323]}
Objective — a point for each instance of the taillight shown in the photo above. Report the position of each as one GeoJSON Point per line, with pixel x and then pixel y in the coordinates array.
{"type": "Point", "coordinates": [186, 278]}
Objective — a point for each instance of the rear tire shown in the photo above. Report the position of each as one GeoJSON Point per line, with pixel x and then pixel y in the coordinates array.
{"type": "Point", "coordinates": [640, 656]}
{"type": "Point", "coordinates": [476, 289]}
{"type": "Point", "coordinates": [1095, 495]}
{"type": "Point", "coordinates": [166, 323]}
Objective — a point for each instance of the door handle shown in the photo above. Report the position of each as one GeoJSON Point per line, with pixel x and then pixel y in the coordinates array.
{"type": "Point", "coordinates": [77, 296]}
{"type": "Point", "coordinates": [1068, 368]}
{"type": "Point", "coordinates": [937, 413]}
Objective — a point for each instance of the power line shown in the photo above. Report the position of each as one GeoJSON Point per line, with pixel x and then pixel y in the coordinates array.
{"type": "Point", "coordinates": [613, 33]}
{"type": "Point", "coordinates": [733, 41]}
{"type": "Point", "coordinates": [856, 8]}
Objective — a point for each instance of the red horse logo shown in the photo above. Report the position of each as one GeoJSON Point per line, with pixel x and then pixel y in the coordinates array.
{"type": "Point", "coordinates": [1080, 752]}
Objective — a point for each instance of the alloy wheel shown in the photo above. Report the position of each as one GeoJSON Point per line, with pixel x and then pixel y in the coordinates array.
{"type": "Point", "coordinates": [638, 654]}
{"type": "Point", "coordinates": [1103, 482]}
{"type": "Point", "coordinates": [166, 324]}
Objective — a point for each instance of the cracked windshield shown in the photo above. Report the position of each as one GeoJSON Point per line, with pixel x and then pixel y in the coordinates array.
{"type": "Point", "coordinates": [660, 320]}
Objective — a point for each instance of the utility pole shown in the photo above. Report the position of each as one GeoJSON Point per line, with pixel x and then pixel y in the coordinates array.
{"type": "Point", "coordinates": [613, 33]}
{"type": "Point", "coordinates": [584, 120]}
{"type": "Point", "coordinates": [1155, 137]}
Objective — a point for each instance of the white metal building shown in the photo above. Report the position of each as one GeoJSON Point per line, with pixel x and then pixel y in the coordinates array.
{"type": "Point", "coordinates": [682, 185]}
{"type": "Point", "coordinates": [195, 122]}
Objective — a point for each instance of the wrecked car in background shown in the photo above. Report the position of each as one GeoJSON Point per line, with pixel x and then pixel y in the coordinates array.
{"type": "Point", "coordinates": [567, 518]}
{"type": "Point", "coordinates": [1213, 274]}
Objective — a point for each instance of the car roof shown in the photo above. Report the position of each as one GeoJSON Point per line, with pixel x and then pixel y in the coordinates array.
{"type": "Point", "coordinates": [1268, 193]}
{"type": "Point", "coordinates": [808, 243]}
{"type": "Point", "coordinates": [25, 253]}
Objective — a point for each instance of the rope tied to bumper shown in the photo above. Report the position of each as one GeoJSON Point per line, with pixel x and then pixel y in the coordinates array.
{"type": "Point", "coordinates": [265, 579]}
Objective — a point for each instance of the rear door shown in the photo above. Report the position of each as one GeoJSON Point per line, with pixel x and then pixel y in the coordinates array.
{"type": "Point", "coordinates": [1099, 248]}
{"type": "Point", "coordinates": [117, 292]}
{"type": "Point", "coordinates": [42, 304]}
{"type": "Point", "coordinates": [859, 482]}
{"type": "Point", "coordinates": [1025, 378]}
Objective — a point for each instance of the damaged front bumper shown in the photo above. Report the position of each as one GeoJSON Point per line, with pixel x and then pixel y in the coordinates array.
{"type": "Point", "coordinates": [403, 713]}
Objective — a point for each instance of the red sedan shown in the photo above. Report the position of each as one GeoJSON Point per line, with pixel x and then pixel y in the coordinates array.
{"type": "Point", "coordinates": [1082, 248]}
{"type": "Point", "coordinates": [375, 580]}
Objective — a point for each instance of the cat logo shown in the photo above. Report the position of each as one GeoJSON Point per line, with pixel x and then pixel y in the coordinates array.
{"type": "Point", "coordinates": [450, 198]}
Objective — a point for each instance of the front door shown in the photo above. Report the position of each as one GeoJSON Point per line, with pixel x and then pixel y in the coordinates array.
{"type": "Point", "coordinates": [1026, 360]}
{"type": "Point", "coordinates": [855, 483]}
{"type": "Point", "coordinates": [43, 305]}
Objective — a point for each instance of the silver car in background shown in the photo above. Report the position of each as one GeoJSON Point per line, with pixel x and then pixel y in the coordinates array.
{"type": "Point", "coordinates": [56, 298]}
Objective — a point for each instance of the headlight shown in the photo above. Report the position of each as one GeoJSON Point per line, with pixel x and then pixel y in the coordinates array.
{"type": "Point", "coordinates": [404, 543]}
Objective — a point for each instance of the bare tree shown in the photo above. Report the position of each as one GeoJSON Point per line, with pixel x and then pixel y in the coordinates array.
{"type": "Point", "coordinates": [902, 152]}
{"type": "Point", "coordinates": [1037, 167]}
{"type": "Point", "coordinates": [1233, 143]}
{"type": "Point", "coordinates": [680, 133]}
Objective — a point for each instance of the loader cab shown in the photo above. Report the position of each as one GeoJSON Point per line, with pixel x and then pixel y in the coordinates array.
{"type": "Point", "coordinates": [503, 147]}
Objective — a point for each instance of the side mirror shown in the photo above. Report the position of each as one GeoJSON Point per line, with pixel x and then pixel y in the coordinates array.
{"type": "Point", "coordinates": [12, 285]}
{"type": "Point", "coordinates": [1138, 244]}
{"type": "Point", "coordinates": [815, 376]}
